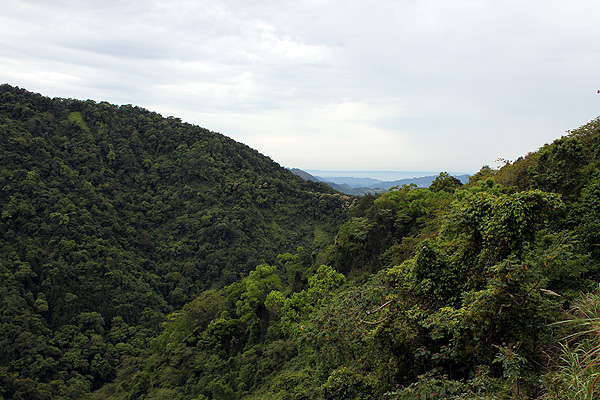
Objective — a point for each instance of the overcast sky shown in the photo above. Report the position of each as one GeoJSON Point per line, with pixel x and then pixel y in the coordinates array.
{"type": "Point", "coordinates": [325, 84]}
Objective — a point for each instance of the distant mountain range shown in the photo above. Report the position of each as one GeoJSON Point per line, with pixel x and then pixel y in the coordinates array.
{"type": "Point", "coordinates": [359, 184]}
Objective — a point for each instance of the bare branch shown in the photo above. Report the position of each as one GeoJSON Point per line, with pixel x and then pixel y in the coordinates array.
{"type": "Point", "coordinates": [376, 322]}
{"type": "Point", "coordinates": [381, 307]}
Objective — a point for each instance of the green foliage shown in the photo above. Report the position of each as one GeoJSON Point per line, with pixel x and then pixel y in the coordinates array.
{"type": "Point", "coordinates": [298, 306]}
{"type": "Point", "coordinates": [450, 294]}
{"type": "Point", "coordinates": [512, 364]}
{"type": "Point", "coordinates": [579, 376]}
{"type": "Point", "coordinates": [141, 257]}
{"type": "Point", "coordinates": [445, 182]}
{"type": "Point", "coordinates": [116, 215]}
{"type": "Point", "coordinates": [383, 230]}
{"type": "Point", "coordinates": [430, 387]}
{"type": "Point", "coordinates": [485, 281]}
{"type": "Point", "coordinates": [346, 383]}
{"type": "Point", "coordinates": [579, 361]}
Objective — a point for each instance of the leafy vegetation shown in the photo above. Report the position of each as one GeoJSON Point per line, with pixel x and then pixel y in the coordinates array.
{"type": "Point", "coordinates": [144, 258]}
{"type": "Point", "coordinates": [113, 217]}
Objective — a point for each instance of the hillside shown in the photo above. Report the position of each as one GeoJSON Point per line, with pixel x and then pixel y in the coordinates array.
{"type": "Point", "coordinates": [304, 175]}
{"type": "Point", "coordinates": [450, 292]}
{"type": "Point", "coordinates": [114, 216]}
{"type": "Point", "coordinates": [145, 258]}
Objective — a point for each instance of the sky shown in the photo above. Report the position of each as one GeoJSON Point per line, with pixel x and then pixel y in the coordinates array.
{"type": "Point", "coordinates": [378, 85]}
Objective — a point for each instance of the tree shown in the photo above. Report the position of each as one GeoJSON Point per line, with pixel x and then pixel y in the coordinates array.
{"type": "Point", "coordinates": [445, 182]}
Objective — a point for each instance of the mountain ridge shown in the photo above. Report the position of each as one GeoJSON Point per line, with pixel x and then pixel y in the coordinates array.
{"type": "Point", "coordinates": [364, 185]}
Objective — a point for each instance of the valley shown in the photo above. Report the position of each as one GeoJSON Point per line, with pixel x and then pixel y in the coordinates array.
{"type": "Point", "coordinates": [142, 257]}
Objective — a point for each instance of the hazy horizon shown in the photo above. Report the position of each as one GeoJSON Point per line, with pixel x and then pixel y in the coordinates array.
{"type": "Point", "coordinates": [379, 175]}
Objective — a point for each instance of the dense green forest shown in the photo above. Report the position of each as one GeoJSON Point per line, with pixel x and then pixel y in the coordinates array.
{"type": "Point", "coordinates": [113, 217]}
{"type": "Point", "coordinates": [145, 258]}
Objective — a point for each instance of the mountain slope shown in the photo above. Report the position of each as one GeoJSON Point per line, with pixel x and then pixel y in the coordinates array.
{"type": "Point", "coordinates": [111, 217]}
{"type": "Point", "coordinates": [452, 291]}
{"type": "Point", "coordinates": [304, 175]}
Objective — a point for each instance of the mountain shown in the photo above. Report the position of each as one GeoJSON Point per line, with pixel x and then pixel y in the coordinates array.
{"type": "Point", "coordinates": [304, 175]}
{"type": "Point", "coordinates": [359, 186]}
{"type": "Point", "coordinates": [351, 182]}
{"type": "Point", "coordinates": [112, 217]}
{"type": "Point", "coordinates": [145, 258]}
{"type": "Point", "coordinates": [372, 174]}
{"type": "Point", "coordinates": [423, 181]}
{"type": "Point", "coordinates": [451, 291]}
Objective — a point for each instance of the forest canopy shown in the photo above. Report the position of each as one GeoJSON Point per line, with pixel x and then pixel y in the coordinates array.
{"type": "Point", "coordinates": [144, 258]}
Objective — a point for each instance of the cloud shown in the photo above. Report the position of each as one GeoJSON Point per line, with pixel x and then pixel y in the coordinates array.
{"type": "Point", "coordinates": [326, 84]}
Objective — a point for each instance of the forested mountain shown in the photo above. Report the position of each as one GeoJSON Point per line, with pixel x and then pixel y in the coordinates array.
{"type": "Point", "coordinates": [112, 217]}
{"type": "Point", "coordinates": [483, 290]}
{"type": "Point", "coordinates": [304, 175]}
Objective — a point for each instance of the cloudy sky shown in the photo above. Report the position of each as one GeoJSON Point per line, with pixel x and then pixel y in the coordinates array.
{"type": "Point", "coordinates": [428, 85]}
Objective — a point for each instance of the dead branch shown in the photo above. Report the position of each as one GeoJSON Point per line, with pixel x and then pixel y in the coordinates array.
{"type": "Point", "coordinates": [380, 307]}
